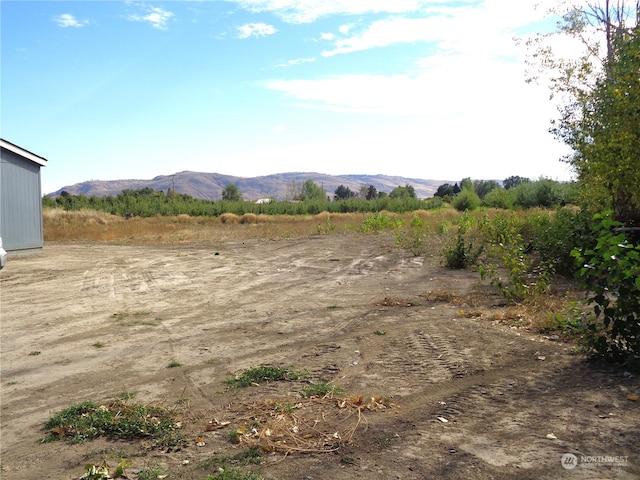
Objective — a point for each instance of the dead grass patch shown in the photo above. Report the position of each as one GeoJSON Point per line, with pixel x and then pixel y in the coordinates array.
{"type": "Point", "coordinates": [229, 218]}
{"type": "Point", "coordinates": [311, 425]}
{"type": "Point", "coordinates": [250, 218]}
{"type": "Point", "coordinates": [395, 302]}
{"type": "Point", "coordinates": [443, 296]}
{"type": "Point", "coordinates": [94, 226]}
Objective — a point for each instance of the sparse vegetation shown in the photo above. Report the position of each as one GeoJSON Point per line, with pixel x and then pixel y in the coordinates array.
{"type": "Point", "coordinates": [132, 319]}
{"type": "Point", "coordinates": [116, 419]}
{"type": "Point", "coordinates": [234, 474]}
{"type": "Point", "coordinates": [262, 374]}
{"type": "Point", "coordinates": [321, 389]}
{"type": "Point", "coordinates": [250, 456]}
{"type": "Point", "coordinates": [152, 472]}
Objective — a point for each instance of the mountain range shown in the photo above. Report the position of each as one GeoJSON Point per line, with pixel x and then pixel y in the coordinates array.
{"type": "Point", "coordinates": [281, 186]}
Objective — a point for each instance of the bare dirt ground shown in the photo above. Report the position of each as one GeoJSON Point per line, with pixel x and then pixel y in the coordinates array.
{"type": "Point", "coordinates": [514, 402]}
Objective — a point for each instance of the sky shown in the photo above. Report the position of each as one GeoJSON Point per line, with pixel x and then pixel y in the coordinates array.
{"type": "Point", "coordinates": [108, 90]}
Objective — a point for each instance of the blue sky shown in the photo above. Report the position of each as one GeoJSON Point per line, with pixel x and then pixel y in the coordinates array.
{"type": "Point", "coordinates": [109, 90]}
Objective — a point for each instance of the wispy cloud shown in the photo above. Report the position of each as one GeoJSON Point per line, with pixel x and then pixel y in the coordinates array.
{"type": "Point", "coordinates": [307, 11]}
{"type": "Point", "coordinates": [297, 61]}
{"type": "Point", "coordinates": [386, 32]}
{"type": "Point", "coordinates": [68, 20]}
{"type": "Point", "coordinates": [157, 17]}
{"type": "Point", "coordinates": [255, 30]}
{"type": "Point", "coordinates": [484, 28]}
{"type": "Point", "coordinates": [474, 62]}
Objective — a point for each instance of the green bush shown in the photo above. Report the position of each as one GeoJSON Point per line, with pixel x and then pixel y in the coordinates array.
{"type": "Point", "coordinates": [610, 272]}
{"type": "Point", "coordinates": [378, 222]}
{"type": "Point", "coordinates": [499, 198]}
{"type": "Point", "coordinates": [467, 199]}
{"type": "Point", "coordinates": [554, 236]}
{"type": "Point", "coordinates": [525, 277]}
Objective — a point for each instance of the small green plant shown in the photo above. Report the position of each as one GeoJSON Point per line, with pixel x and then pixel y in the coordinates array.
{"type": "Point", "coordinates": [610, 274]}
{"type": "Point", "coordinates": [151, 472]}
{"type": "Point", "coordinates": [442, 227]}
{"type": "Point", "coordinates": [258, 375]}
{"type": "Point", "coordinates": [461, 253]}
{"type": "Point", "coordinates": [117, 419]}
{"type": "Point", "coordinates": [121, 469]}
{"type": "Point", "coordinates": [284, 407]}
{"type": "Point", "coordinates": [378, 222]}
{"type": "Point", "coordinates": [379, 332]}
{"type": "Point", "coordinates": [252, 456]}
{"type": "Point", "coordinates": [35, 353]}
{"type": "Point", "coordinates": [99, 345]}
{"type": "Point", "coordinates": [96, 472]}
{"type": "Point", "coordinates": [327, 228]}
{"type": "Point", "coordinates": [321, 389]}
{"type": "Point", "coordinates": [174, 364]}
{"type": "Point", "coordinates": [525, 277]}
{"type": "Point", "coordinates": [414, 239]}
{"type": "Point", "coordinates": [126, 395]}
{"type": "Point", "coordinates": [132, 319]}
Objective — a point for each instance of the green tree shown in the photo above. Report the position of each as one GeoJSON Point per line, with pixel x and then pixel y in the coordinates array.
{"type": "Point", "coordinates": [342, 193]}
{"type": "Point", "coordinates": [467, 184]}
{"type": "Point", "coordinates": [369, 192]}
{"type": "Point", "coordinates": [482, 187]}
{"type": "Point", "coordinates": [231, 193]}
{"type": "Point", "coordinates": [447, 190]}
{"type": "Point", "coordinates": [514, 181]}
{"type": "Point", "coordinates": [600, 116]}
{"type": "Point", "coordinates": [311, 191]}
{"type": "Point", "coordinates": [403, 192]}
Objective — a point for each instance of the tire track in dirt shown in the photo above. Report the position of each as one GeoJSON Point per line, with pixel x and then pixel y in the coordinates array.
{"type": "Point", "coordinates": [498, 401]}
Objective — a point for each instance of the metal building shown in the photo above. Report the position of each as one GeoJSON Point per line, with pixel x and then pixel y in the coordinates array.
{"type": "Point", "coordinates": [20, 199]}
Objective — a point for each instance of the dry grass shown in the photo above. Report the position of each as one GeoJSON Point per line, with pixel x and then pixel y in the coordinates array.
{"type": "Point", "coordinates": [94, 226]}
{"type": "Point", "coordinates": [313, 425]}
{"type": "Point", "coordinates": [249, 218]}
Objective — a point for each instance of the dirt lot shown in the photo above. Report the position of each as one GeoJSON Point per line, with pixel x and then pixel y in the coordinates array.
{"type": "Point", "coordinates": [469, 397]}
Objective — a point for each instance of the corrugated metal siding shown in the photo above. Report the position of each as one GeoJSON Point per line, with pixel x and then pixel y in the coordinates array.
{"type": "Point", "coordinates": [20, 202]}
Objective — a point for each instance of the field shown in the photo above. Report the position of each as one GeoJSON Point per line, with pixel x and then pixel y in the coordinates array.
{"type": "Point", "coordinates": [421, 371]}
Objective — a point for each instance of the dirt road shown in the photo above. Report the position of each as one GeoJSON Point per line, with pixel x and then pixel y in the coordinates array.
{"type": "Point", "coordinates": [468, 396]}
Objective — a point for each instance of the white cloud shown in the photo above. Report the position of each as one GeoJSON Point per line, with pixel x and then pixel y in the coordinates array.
{"type": "Point", "coordinates": [386, 32]}
{"type": "Point", "coordinates": [158, 17]}
{"type": "Point", "coordinates": [297, 61]}
{"type": "Point", "coordinates": [307, 11]}
{"type": "Point", "coordinates": [255, 30]}
{"type": "Point", "coordinates": [67, 20]}
{"type": "Point", "coordinates": [485, 28]}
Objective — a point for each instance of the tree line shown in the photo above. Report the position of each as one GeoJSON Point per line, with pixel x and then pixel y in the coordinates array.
{"type": "Point", "coordinates": [310, 198]}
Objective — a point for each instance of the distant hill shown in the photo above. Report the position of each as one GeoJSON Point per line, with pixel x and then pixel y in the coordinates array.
{"type": "Point", "coordinates": [209, 186]}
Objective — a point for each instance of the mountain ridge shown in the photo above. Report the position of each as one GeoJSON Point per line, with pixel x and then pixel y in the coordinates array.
{"type": "Point", "coordinates": [279, 186]}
